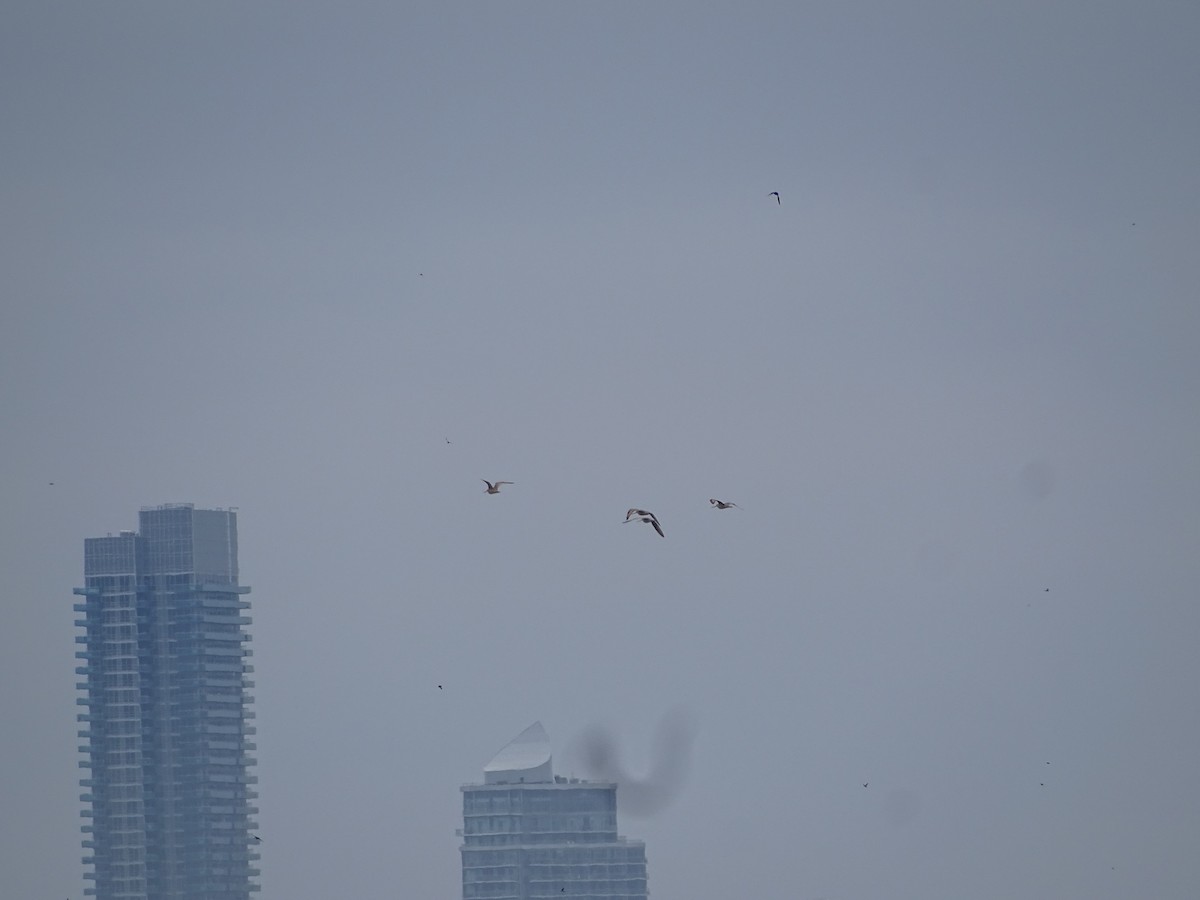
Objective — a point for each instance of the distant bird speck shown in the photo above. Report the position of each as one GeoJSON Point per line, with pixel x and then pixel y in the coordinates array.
{"type": "Point", "coordinates": [257, 839]}
{"type": "Point", "coordinates": [439, 687]}
{"type": "Point", "coordinates": [721, 504]}
{"type": "Point", "coordinates": [493, 488]}
{"type": "Point", "coordinates": [865, 783]}
{"type": "Point", "coordinates": [775, 194]}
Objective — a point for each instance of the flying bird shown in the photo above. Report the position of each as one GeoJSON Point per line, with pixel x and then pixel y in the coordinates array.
{"type": "Point", "coordinates": [721, 504]}
{"type": "Point", "coordinates": [493, 488]}
{"type": "Point", "coordinates": [633, 511]}
{"type": "Point", "coordinates": [775, 194]}
{"type": "Point", "coordinates": [257, 839]}
{"type": "Point", "coordinates": [865, 783]}
{"type": "Point", "coordinates": [645, 517]}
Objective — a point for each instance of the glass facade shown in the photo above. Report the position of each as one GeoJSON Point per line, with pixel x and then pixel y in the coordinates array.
{"type": "Point", "coordinates": [550, 839]}
{"type": "Point", "coordinates": [166, 734]}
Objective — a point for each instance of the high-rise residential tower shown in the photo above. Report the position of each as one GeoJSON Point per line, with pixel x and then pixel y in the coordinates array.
{"type": "Point", "coordinates": [167, 732]}
{"type": "Point", "coordinates": [528, 833]}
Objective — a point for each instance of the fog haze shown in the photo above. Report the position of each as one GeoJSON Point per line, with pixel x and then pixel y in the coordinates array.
{"type": "Point", "coordinates": [333, 268]}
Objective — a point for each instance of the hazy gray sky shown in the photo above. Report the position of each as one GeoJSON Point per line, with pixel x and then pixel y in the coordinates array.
{"type": "Point", "coordinates": [273, 256]}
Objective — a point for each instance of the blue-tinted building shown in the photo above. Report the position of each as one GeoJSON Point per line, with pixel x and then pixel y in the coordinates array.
{"type": "Point", "coordinates": [167, 736]}
{"type": "Point", "coordinates": [528, 833]}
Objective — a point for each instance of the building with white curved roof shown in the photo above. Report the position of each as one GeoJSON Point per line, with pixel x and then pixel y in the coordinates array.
{"type": "Point", "coordinates": [529, 834]}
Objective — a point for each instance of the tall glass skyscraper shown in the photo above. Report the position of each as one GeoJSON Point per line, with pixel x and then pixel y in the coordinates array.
{"type": "Point", "coordinates": [167, 738]}
{"type": "Point", "coordinates": [528, 833]}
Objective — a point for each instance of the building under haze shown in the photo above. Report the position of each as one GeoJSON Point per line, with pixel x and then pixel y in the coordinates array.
{"type": "Point", "coordinates": [170, 801]}
{"type": "Point", "coordinates": [528, 833]}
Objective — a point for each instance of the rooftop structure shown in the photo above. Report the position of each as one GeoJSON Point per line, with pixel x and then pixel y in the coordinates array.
{"type": "Point", "coordinates": [525, 758]}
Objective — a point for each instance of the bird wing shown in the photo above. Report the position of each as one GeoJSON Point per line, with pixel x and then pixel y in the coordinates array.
{"type": "Point", "coordinates": [657, 527]}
